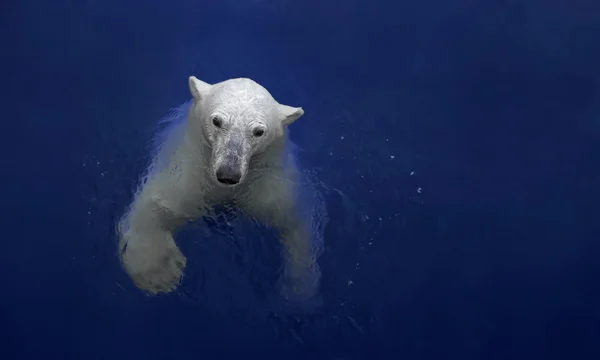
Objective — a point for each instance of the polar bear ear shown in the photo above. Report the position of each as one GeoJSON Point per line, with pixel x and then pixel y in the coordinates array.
{"type": "Point", "coordinates": [290, 114]}
{"type": "Point", "coordinates": [198, 88]}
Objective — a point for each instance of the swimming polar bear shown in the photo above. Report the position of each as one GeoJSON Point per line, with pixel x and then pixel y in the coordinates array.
{"type": "Point", "coordinates": [230, 145]}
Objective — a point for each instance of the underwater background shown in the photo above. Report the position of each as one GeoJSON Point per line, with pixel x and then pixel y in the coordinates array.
{"type": "Point", "coordinates": [456, 145]}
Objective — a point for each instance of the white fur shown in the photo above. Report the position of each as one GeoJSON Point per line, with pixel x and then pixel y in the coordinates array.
{"type": "Point", "coordinates": [182, 183]}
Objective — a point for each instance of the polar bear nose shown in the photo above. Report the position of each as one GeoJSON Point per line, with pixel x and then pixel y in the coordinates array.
{"type": "Point", "coordinates": [228, 175]}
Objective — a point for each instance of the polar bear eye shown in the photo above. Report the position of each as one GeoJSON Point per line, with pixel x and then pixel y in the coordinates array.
{"type": "Point", "coordinates": [258, 132]}
{"type": "Point", "coordinates": [217, 122]}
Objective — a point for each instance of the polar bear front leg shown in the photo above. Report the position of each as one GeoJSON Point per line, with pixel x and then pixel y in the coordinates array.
{"type": "Point", "coordinates": [301, 274]}
{"type": "Point", "coordinates": [148, 251]}
{"type": "Point", "coordinates": [272, 203]}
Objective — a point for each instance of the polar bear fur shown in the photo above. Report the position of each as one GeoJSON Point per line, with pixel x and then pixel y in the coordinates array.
{"type": "Point", "coordinates": [231, 147]}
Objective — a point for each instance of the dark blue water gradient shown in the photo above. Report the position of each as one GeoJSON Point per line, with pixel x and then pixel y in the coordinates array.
{"type": "Point", "coordinates": [458, 142]}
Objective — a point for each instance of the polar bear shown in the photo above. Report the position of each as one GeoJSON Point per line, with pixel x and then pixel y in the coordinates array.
{"type": "Point", "coordinates": [230, 145]}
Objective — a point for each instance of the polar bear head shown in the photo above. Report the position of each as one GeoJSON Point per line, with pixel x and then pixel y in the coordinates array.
{"type": "Point", "coordinates": [237, 119]}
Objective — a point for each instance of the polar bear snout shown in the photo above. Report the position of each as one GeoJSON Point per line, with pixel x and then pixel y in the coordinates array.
{"type": "Point", "coordinates": [230, 158]}
{"type": "Point", "coordinates": [229, 174]}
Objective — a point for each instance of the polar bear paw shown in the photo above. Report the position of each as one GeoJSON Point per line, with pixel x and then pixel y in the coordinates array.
{"type": "Point", "coordinates": [300, 290]}
{"type": "Point", "coordinates": [154, 266]}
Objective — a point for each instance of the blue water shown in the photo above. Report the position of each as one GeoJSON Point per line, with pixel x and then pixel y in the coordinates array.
{"type": "Point", "coordinates": [455, 145]}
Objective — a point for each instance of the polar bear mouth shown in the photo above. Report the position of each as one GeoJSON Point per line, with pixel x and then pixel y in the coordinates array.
{"type": "Point", "coordinates": [227, 181]}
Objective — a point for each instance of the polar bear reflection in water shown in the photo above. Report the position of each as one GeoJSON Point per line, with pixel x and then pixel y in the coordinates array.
{"type": "Point", "coordinates": [230, 143]}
